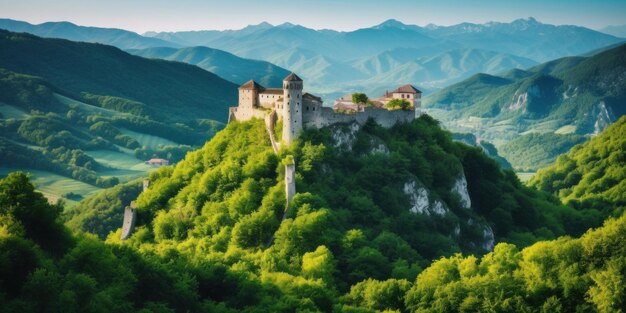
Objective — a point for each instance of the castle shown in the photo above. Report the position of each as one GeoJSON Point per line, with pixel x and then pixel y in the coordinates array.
{"type": "Point", "coordinates": [300, 110]}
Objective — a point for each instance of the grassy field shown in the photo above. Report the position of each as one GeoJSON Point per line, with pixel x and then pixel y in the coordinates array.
{"type": "Point", "coordinates": [567, 129]}
{"type": "Point", "coordinates": [123, 166]}
{"type": "Point", "coordinates": [87, 108]}
{"type": "Point", "coordinates": [149, 141]}
{"type": "Point", "coordinates": [54, 186]}
{"type": "Point", "coordinates": [9, 111]}
{"type": "Point", "coordinates": [525, 176]}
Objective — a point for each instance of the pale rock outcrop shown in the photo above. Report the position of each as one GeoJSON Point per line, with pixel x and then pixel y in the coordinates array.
{"type": "Point", "coordinates": [438, 208]}
{"type": "Point", "coordinates": [417, 196]}
{"type": "Point", "coordinates": [488, 239]}
{"type": "Point", "coordinates": [460, 188]}
{"type": "Point", "coordinates": [381, 148]}
{"type": "Point", "coordinates": [420, 200]}
{"type": "Point", "coordinates": [520, 102]}
{"type": "Point", "coordinates": [604, 118]}
{"type": "Point", "coordinates": [344, 137]}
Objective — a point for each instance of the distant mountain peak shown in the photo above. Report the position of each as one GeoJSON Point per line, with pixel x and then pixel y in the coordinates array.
{"type": "Point", "coordinates": [391, 23]}
{"type": "Point", "coordinates": [264, 24]}
{"type": "Point", "coordinates": [526, 22]}
{"type": "Point", "coordinates": [60, 23]}
{"type": "Point", "coordinates": [286, 25]}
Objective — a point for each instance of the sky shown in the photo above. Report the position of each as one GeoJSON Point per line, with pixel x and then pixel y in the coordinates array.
{"type": "Point", "coordinates": [178, 15]}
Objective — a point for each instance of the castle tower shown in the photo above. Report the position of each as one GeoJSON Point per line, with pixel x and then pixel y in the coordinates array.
{"type": "Point", "coordinates": [248, 98]}
{"type": "Point", "coordinates": [292, 108]}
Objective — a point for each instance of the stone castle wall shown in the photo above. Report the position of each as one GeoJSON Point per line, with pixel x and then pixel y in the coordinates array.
{"type": "Point", "coordinates": [326, 116]}
{"type": "Point", "coordinates": [246, 113]}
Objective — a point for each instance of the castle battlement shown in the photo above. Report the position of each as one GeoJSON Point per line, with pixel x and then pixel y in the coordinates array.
{"type": "Point", "coordinates": [300, 110]}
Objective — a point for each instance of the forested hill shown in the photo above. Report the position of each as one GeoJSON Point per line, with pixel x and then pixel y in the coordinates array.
{"type": "Point", "coordinates": [573, 96]}
{"type": "Point", "coordinates": [222, 63]}
{"type": "Point", "coordinates": [211, 237]}
{"type": "Point", "coordinates": [171, 91]}
{"type": "Point", "coordinates": [573, 91]}
{"type": "Point", "coordinates": [591, 175]}
{"type": "Point", "coordinates": [371, 203]}
{"type": "Point", "coordinates": [89, 115]}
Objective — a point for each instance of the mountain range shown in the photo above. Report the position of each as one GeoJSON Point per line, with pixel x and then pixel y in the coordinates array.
{"type": "Point", "coordinates": [431, 57]}
{"type": "Point", "coordinates": [372, 59]}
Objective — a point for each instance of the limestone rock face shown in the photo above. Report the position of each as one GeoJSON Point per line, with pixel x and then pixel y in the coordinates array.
{"type": "Point", "coordinates": [418, 197]}
{"type": "Point", "coordinates": [604, 118]}
{"type": "Point", "coordinates": [344, 136]}
{"type": "Point", "coordinates": [460, 188]}
{"type": "Point", "coordinates": [420, 200]}
{"type": "Point", "coordinates": [488, 238]}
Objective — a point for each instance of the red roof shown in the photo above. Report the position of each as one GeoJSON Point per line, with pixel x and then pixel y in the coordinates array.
{"type": "Point", "coordinates": [406, 89]}
{"type": "Point", "coordinates": [273, 91]}
{"type": "Point", "coordinates": [292, 78]}
{"type": "Point", "coordinates": [252, 85]}
{"type": "Point", "coordinates": [158, 160]}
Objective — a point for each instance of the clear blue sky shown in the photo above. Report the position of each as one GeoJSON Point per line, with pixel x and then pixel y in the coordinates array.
{"type": "Point", "coordinates": [175, 15]}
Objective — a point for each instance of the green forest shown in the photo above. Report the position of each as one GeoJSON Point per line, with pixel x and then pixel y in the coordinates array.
{"type": "Point", "coordinates": [213, 234]}
{"type": "Point", "coordinates": [591, 175]}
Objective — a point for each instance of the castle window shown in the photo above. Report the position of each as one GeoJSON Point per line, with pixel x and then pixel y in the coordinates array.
{"type": "Point", "coordinates": [307, 107]}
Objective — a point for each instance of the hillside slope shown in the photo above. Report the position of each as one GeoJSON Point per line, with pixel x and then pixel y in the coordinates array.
{"type": "Point", "coordinates": [579, 95]}
{"type": "Point", "coordinates": [170, 90]}
{"type": "Point", "coordinates": [592, 174]}
{"type": "Point", "coordinates": [190, 260]}
{"type": "Point", "coordinates": [224, 64]}
{"type": "Point", "coordinates": [369, 185]}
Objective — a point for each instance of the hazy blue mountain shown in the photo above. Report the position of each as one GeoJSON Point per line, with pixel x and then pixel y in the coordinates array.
{"type": "Point", "coordinates": [224, 64]}
{"type": "Point", "coordinates": [396, 66]}
{"type": "Point", "coordinates": [116, 37]}
{"type": "Point", "coordinates": [382, 56]}
{"type": "Point", "coordinates": [572, 95]}
{"type": "Point", "coordinates": [202, 37]}
{"type": "Point", "coordinates": [524, 37]}
{"type": "Point", "coordinates": [615, 30]}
